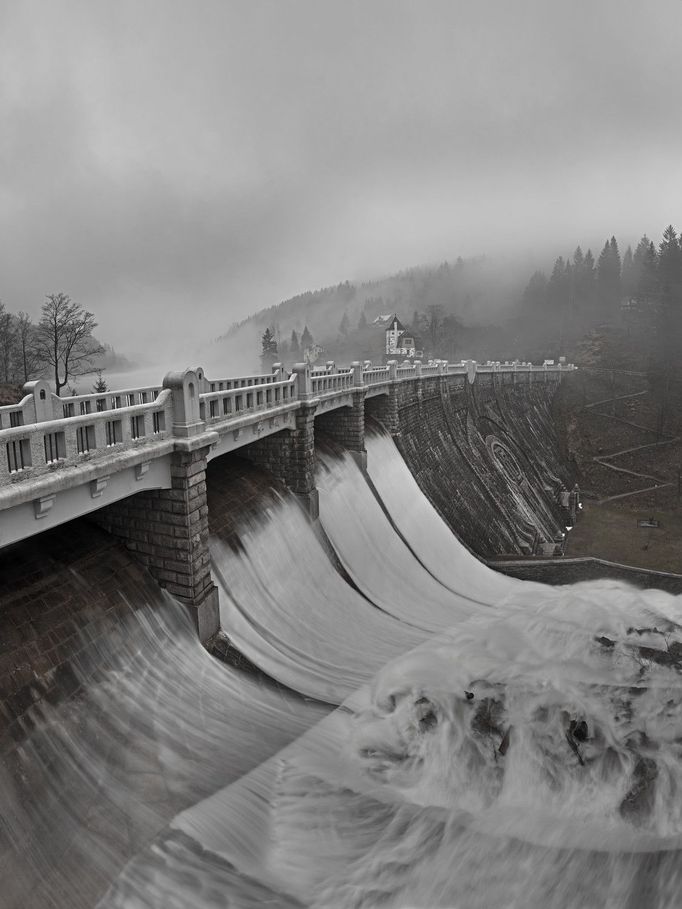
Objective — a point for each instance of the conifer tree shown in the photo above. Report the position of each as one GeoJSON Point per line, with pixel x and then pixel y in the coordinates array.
{"type": "Point", "coordinates": [269, 349]}
{"type": "Point", "coordinates": [558, 286]}
{"type": "Point", "coordinates": [362, 322]}
{"type": "Point", "coordinates": [589, 269]}
{"type": "Point", "coordinates": [669, 259]}
{"type": "Point", "coordinates": [628, 277]}
{"type": "Point", "coordinates": [644, 264]}
{"type": "Point", "coordinates": [294, 346]}
{"type": "Point", "coordinates": [608, 279]}
{"type": "Point", "coordinates": [535, 294]}
{"type": "Point", "coordinates": [667, 308]}
{"type": "Point", "coordinates": [582, 282]}
{"type": "Point", "coordinates": [344, 325]}
{"type": "Point", "coordinates": [306, 339]}
{"type": "Point", "coordinates": [100, 385]}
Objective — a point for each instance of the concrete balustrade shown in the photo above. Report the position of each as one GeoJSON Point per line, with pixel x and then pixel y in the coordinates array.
{"type": "Point", "coordinates": [41, 404]}
{"type": "Point", "coordinates": [239, 401]}
{"type": "Point", "coordinates": [45, 432]}
{"type": "Point", "coordinates": [136, 458]}
{"type": "Point", "coordinates": [33, 449]}
{"type": "Point", "coordinates": [240, 382]}
{"type": "Point", "coordinates": [322, 384]}
{"type": "Point", "coordinates": [375, 375]}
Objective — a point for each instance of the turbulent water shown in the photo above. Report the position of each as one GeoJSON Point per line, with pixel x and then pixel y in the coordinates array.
{"type": "Point", "coordinates": [496, 743]}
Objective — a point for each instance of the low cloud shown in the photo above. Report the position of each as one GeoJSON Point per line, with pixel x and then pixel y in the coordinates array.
{"type": "Point", "coordinates": [175, 168]}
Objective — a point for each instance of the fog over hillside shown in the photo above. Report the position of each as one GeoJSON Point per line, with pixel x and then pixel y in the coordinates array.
{"type": "Point", "coordinates": [175, 167]}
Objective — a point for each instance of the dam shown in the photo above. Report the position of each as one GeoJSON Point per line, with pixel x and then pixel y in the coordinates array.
{"type": "Point", "coordinates": [252, 653]}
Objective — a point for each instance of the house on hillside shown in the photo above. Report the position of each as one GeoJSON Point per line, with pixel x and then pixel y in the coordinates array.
{"type": "Point", "coordinates": [313, 353]}
{"type": "Point", "coordinates": [399, 342]}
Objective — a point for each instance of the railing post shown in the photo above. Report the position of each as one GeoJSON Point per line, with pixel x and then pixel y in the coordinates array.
{"type": "Point", "coordinates": [42, 400]}
{"type": "Point", "coordinates": [304, 389]}
{"type": "Point", "coordinates": [356, 368]}
{"type": "Point", "coordinates": [470, 370]}
{"type": "Point", "coordinates": [418, 368]}
{"type": "Point", "coordinates": [203, 384]}
{"type": "Point", "coordinates": [185, 389]}
{"type": "Point", "coordinates": [392, 370]}
{"type": "Point", "coordinates": [278, 372]}
{"type": "Point", "coordinates": [331, 366]}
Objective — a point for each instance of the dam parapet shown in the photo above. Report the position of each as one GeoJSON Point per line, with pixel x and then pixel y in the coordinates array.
{"type": "Point", "coordinates": [136, 458]}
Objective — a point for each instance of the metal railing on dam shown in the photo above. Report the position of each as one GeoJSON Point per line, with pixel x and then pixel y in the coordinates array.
{"type": "Point", "coordinates": [64, 457]}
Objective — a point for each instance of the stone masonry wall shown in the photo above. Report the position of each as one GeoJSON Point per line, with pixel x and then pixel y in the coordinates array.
{"type": "Point", "coordinates": [488, 457]}
{"type": "Point", "coordinates": [347, 424]}
{"type": "Point", "coordinates": [385, 408]}
{"type": "Point", "coordinates": [167, 529]}
{"type": "Point", "coordinates": [289, 455]}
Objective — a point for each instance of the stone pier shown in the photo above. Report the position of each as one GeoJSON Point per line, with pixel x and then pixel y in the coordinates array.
{"type": "Point", "coordinates": [346, 425]}
{"type": "Point", "coordinates": [167, 529]}
{"type": "Point", "coordinates": [386, 407]}
{"type": "Point", "coordinates": [289, 455]}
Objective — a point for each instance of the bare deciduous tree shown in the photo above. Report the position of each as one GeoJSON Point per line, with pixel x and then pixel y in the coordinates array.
{"type": "Point", "coordinates": [7, 344]}
{"type": "Point", "coordinates": [26, 346]}
{"type": "Point", "coordinates": [65, 341]}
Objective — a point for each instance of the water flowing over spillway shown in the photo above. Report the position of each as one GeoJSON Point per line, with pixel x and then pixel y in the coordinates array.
{"type": "Point", "coordinates": [495, 743]}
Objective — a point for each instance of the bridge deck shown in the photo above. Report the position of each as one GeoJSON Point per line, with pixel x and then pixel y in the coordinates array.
{"type": "Point", "coordinates": [63, 457]}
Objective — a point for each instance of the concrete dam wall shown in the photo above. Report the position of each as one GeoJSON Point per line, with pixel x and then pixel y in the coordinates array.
{"type": "Point", "coordinates": [488, 457]}
{"type": "Point", "coordinates": [121, 735]}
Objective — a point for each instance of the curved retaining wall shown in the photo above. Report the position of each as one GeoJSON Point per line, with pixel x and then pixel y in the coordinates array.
{"type": "Point", "coordinates": [573, 571]}
{"type": "Point", "coordinates": [488, 456]}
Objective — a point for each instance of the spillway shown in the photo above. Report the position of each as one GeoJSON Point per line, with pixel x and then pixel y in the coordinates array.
{"type": "Point", "coordinates": [408, 728]}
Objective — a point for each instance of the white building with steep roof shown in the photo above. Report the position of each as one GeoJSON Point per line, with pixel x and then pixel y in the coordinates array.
{"type": "Point", "coordinates": [398, 341]}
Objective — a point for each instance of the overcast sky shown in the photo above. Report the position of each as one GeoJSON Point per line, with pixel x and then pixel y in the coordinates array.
{"type": "Point", "coordinates": [174, 166]}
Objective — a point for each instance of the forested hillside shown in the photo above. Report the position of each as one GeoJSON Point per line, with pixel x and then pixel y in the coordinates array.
{"type": "Point", "coordinates": [442, 300]}
{"type": "Point", "coordinates": [609, 308]}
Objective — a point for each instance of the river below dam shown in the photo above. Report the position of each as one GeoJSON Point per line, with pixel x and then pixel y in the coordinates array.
{"type": "Point", "coordinates": [395, 724]}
